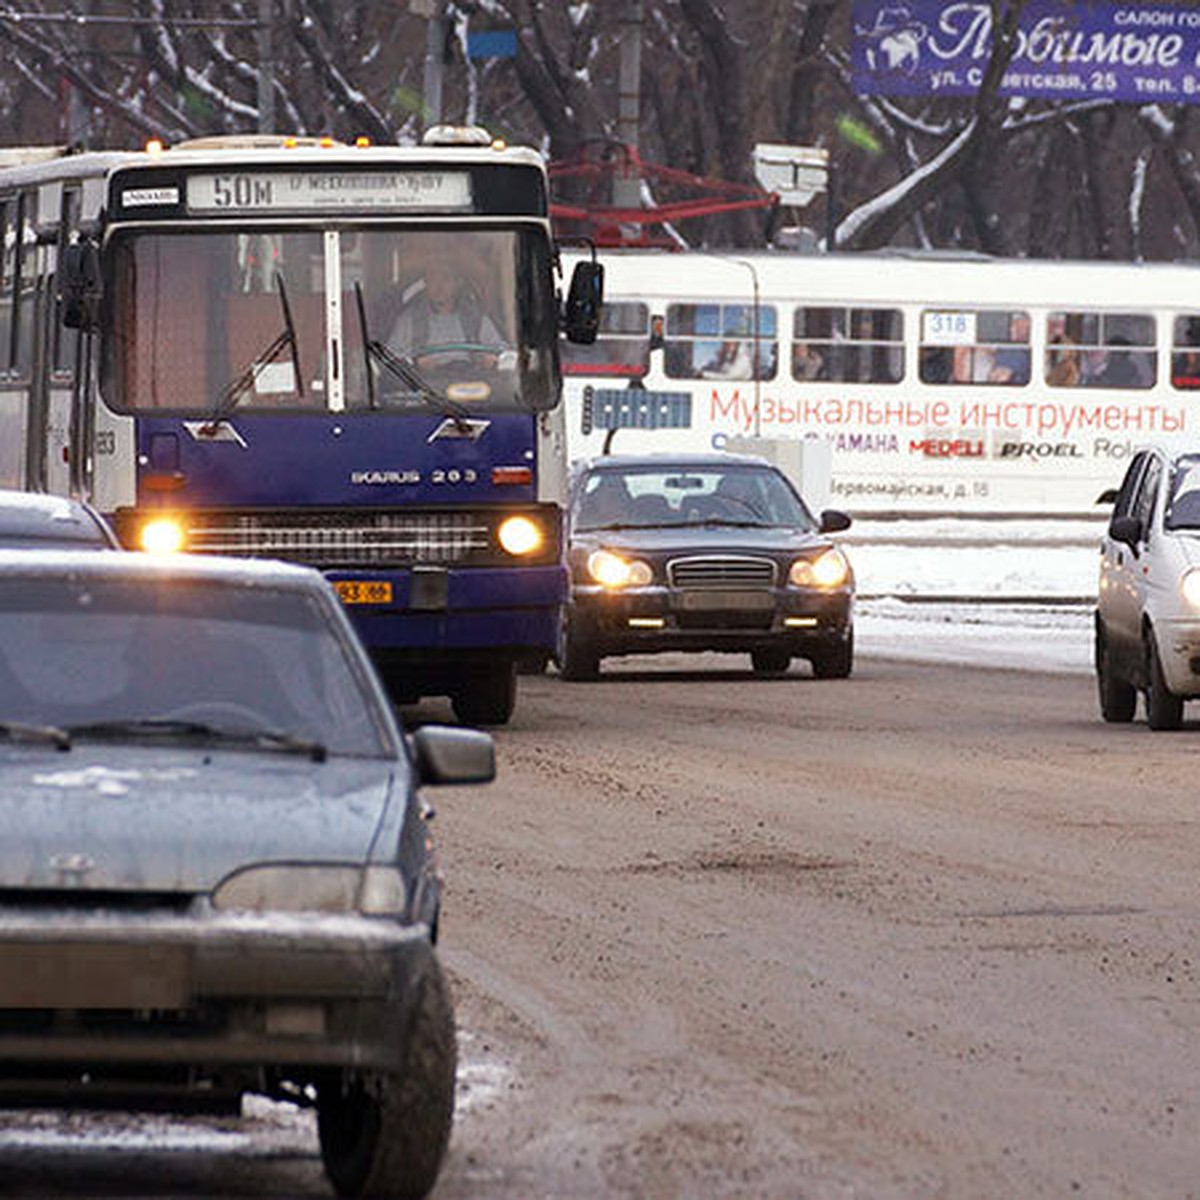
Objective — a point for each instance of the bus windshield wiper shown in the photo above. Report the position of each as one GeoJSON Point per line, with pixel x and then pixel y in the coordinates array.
{"type": "Point", "coordinates": [18, 731]}
{"type": "Point", "coordinates": [170, 727]}
{"type": "Point", "coordinates": [402, 367]}
{"type": "Point", "coordinates": [285, 339]}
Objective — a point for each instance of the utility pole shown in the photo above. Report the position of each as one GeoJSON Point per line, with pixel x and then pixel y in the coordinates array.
{"type": "Point", "coordinates": [266, 70]}
{"type": "Point", "coordinates": [434, 12]}
{"type": "Point", "coordinates": [627, 184]}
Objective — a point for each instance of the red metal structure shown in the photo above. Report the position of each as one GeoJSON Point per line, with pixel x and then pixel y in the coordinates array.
{"type": "Point", "coordinates": [679, 196]}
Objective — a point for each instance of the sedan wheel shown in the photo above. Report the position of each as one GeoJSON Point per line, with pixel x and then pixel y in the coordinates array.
{"type": "Point", "coordinates": [770, 662]}
{"type": "Point", "coordinates": [1164, 710]}
{"type": "Point", "coordinates": [834, 662]}
{"type": "Point", "coordinates": [386, 1134]}
{"type": "Point", "coordinates": [578, 660]}
{"type": "Point", "coordinates": [1118, 698]}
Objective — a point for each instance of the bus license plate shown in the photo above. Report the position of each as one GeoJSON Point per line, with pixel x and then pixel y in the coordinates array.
{"type": "Point", "coordinates": [364, 591]}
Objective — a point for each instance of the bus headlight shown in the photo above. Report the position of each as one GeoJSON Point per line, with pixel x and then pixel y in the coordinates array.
{"type": "Point", "coordinates": [613, 571]}
{"type": "Point", "coordinates": [1189, 585]}
{"type": "Point", "coordinates": [520, 536]}
{"type": "Point", "coordinates": [828, 570]}
{"type": "Point", "coordinates": [162, 535]}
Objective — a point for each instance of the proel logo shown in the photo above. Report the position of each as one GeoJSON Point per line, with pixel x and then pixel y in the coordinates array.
{"type": "Point", "coordinates": [1040, 450]}
{"type": "Point", "coordinates": [947, 448]}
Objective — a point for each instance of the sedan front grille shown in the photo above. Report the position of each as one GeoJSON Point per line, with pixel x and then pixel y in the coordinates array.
{"type": "Point", "coordinates": [721, 573]}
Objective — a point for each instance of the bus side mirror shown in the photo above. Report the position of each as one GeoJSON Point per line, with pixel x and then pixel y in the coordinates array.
{"type": "Point", "coordinates": [581, 319]}
{"type": "Point", "coordinates": [79, 286]}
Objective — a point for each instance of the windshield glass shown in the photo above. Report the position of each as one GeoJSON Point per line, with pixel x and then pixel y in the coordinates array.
{"type": "Point", "coordinates": [76, 652]}
{"type": "Point", "coordinates": [683, 495]}
{"type": "Point", "coordinates": [215, 322]}
{"type": "Point", "coordinates": [1183, 504]}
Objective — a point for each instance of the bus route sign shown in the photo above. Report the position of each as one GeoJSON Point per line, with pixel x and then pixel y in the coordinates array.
{"type": "Point", "coordinates": [308, 191]}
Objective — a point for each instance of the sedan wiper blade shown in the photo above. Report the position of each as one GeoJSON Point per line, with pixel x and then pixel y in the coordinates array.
{"type": "Point", "coordinates": [726, 521]}
{"type": "Point", "coordinates": [172, 727]}
{"type": "Point", "coordinates": [19, 731]}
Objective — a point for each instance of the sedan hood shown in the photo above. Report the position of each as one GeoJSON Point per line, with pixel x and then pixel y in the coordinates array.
{"type": "Point", "coordinates": [132, 818]}
{"type": "Point", "coordinates": [703, 539]}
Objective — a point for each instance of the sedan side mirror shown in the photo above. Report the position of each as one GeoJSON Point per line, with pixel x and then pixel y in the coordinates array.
{"type": "Point", "coordinates": [445, 754]}
{"type": "Point", "coordinates": [1125, 529]}
{"type": "Point", "coordinates": [834, 521]}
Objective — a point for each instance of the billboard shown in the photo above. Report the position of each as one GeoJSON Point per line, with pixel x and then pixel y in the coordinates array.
{"type": "Point", "coordinates": [1067, 50]}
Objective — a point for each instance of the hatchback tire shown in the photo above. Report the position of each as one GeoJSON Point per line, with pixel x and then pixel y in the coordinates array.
{"type": "Point", "coordinates": [578, 661]}
{"type": "Point", "coordinates": [770, 662]}
{"type": "Point", "coordinates": [835, 662]}
{"type": "Point", "coordinates": [1118, 697]}
{"type": "Point", "coordinates": [1164, 710]}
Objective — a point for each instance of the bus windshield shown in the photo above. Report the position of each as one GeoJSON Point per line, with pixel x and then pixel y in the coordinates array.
{"type": "Point", "coordinates": [219, 321]}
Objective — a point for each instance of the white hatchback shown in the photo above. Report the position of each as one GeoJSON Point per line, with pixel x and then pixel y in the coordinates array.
{"type": "Point", "coordinates": [1148, 612]}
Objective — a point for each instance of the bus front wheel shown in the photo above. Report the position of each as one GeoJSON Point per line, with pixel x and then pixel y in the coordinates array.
{"type": "Point", "coordinates": [488, 698]}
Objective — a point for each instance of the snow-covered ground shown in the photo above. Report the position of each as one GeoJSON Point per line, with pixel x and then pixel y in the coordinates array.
{"type": "Point", "coordinates": [1010, 594]}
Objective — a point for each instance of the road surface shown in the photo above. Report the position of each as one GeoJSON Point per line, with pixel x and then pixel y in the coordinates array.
{"type": "Point", "coordinates": [927, 932]}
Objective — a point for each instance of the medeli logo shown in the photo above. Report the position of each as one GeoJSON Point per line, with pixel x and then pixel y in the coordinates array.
{"type": "Point", "coordinates": [947, 448]}
{"type": "Point", "coordinates": [383, 478]}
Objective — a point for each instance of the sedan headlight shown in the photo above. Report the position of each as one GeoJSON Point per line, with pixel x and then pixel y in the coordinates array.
{"type": "Point", "coordinates": [828, 570]}
{"type": "Point", "coordinates": [1189, 585]}
{"type": "Point", "coordinates": [373, 891]}
{"type": "Point", "coordinates": [520, 535]}
{"type": "Point", "coordinates": [613, 571]}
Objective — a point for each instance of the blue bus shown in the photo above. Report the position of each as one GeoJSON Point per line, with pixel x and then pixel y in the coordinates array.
{"type": "Point", "coordinates": [242, 346]}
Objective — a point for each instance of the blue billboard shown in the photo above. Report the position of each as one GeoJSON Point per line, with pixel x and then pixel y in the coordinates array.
{"type": "Point", "coordinates": [1067, 50]}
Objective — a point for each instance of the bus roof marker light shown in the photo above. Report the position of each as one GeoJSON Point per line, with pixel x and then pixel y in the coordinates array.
{"type": "Point", "coordinates": [362, 142]}
{"type": "Point", "coordinates": [154, 146]}
{"type": "Point", "coordinates": [326, 142]}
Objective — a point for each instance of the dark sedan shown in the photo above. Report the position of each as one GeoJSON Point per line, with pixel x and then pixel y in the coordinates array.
{"type": "Point", "coordinates": [33, 521]}
{"type": "Point", "coordinates": [710, 552]}
{"type": "Point", "coordinates": [216, 875]}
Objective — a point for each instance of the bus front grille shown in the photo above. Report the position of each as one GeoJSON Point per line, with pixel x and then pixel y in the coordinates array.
{"type": "Point", "coordinates": [341, 539]}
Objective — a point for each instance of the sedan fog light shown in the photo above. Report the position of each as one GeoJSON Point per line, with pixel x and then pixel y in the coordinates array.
{"type": "Point", "coordinates": [163, 535]}
{"type": "Point", "coordinates": [613, 571]}
{"type": "Point", "coordinates": [1190, 586]}
{"type": "Point", "coordinates": [520, 536]}
{"type": "Point", "coordinates": [828, 570]}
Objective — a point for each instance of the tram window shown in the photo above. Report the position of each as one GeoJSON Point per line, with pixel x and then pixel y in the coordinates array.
{"type": "Point", "coordinates": [8, 263]}
{"type": "Point", "coordinates": [622, 347]}
{"type": "Point", "coordinates": [1185, 353]}
{"type": "Point", "coordinates": [720, 341]}
{"type": "Point", "coordinates": [24, 295]}
{"type": "Point", "coordinates": [977, 346]}
{"type": "Point", "coordinates": [1104, 350]}
{"type": "Point", "coordinates": [848, 345]}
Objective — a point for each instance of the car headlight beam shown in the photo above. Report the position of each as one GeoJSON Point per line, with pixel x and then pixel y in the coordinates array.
{"type": "Point", "coordinates": [162, 535]}
{"type": "Point", "coordinates": [520, 535]}
{"type": "Point", "coordinates": [830, 569]}
{"type": "Point", "coordinates": [612, 571]}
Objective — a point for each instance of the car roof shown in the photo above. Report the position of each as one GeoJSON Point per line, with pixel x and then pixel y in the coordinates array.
{"type": "Point", "coordinates": [36, 516]}
{"type": "Point", "coordinates": [184, 568]}
{"type": "Point", "coordinates": [621, 462]}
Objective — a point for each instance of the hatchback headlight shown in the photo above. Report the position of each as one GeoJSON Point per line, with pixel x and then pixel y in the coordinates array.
{"type": "Point", "coordinates": [1189, 585]}
{"type": "Point", "coordinates": [830, 569]}
{"type": "Point", "coordinates": [374, 891]}
{"type": "Point", "coordinates": [613, 571]}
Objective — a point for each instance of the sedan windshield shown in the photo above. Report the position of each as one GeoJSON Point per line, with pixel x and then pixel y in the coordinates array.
{"type": "Point", "coordinates": [612, 498]}
{"type": "Point", "coordinates": [1183, 504]}
{"type": "Point", "coordinates": [214, 322]}
{"type": "Point", "coordinates": [147, 656]}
